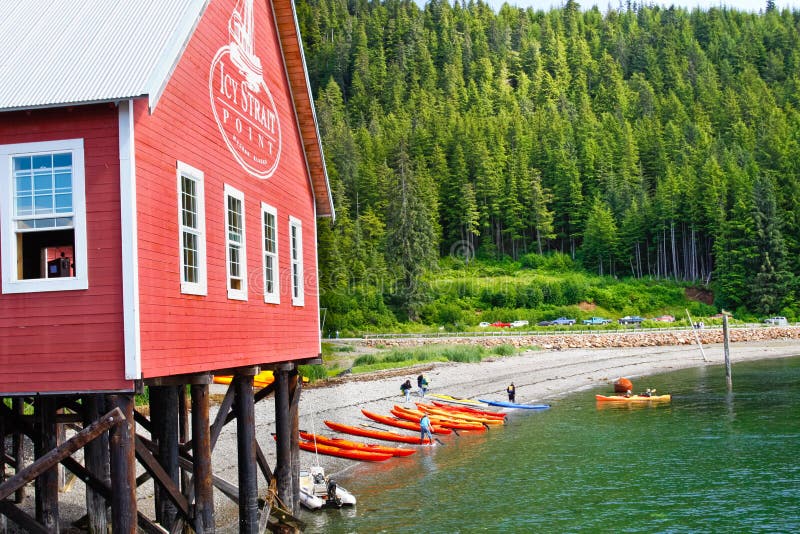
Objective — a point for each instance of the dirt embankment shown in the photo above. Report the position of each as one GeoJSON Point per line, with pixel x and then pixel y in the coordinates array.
{"type": "Point", "coordinates": [600, 340]}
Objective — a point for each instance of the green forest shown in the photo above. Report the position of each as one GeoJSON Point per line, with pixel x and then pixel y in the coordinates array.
{"type": "Point", "coordinates": [644, 146]}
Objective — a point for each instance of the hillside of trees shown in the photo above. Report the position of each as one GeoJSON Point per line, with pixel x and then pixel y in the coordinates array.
{"type": "Point", "coordinates": [641, 142]}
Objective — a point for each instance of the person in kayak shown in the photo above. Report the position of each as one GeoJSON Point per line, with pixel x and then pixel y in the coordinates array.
{"type": "Point", "coordinates": [405, 388]}
{"type": "Point", "coordinates": [425, 429]}
{"type": "Point", "coordinates": [422, 384]}
{"type": "Point", "coordinates": [512, 392]}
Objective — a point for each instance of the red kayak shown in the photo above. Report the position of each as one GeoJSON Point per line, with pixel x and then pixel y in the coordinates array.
{"type": "Point", "coordinates": [416, 415]}
{"type": "Point", "coordinates": [403, 423]}
{"type": "Point", "coordinates": [353, 454]}
{"type": "Point", "coordinates": [375, 434]}
{"type": "Point", "coordinates": [348, 444]}
{"type": "Point", "coordinates": [468, 410]}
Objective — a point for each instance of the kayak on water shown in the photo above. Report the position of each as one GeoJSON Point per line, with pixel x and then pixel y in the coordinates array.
{"type": "Point", "coordinates": [505, 404]}
{"type": "Point", "coordinates": [385, 435]}
{"type": "Point", "coordinates": [633, 398]}
{"type": "Point", "coordinates": [468, 410]}
{"type": "Point", "coordinates": [353, 454]}
{"type": "Point", "coordinates": [406, 424]}
{"type": "Point", "coordinates": [348, 444]}
{"type": "Point", "coordinates": [416, 415]}
{"type": "Point", "coordinates": [459, 416]}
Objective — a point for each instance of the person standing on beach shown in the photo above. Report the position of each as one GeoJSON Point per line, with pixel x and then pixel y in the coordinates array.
{"type": "Point", "coordinates": [405, 388]}
{"type": "Point", "coordinates": [512, 392]}
{"type": "Point", "coordinates": [422, 384]}
{"type": "Point", "coordinates": [425, 429]}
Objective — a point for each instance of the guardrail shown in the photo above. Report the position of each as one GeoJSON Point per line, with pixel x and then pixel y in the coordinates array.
{"type": "Point", "coordinates": [557, 331]}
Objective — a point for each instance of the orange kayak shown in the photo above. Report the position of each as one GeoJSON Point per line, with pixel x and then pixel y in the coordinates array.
{"type": "Point", "coordinates": [348, 444]}
{"type": "Point", "coordinates": [467, 409]}
{"type": "Point", "coordinates": [404, 423]}
{"type": "Point", "coordinates": [416, 415]}
{"type": "Point", "coordinates": [353, 454]}
{"type": "Point", "coordinates": [375, 434]}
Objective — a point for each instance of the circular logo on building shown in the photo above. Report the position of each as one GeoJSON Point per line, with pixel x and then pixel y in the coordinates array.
{"type": "Point", "coordinates": [242, 104]}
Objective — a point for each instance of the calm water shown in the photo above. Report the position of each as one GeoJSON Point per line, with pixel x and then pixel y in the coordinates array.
{"type": "Point", "coordinates": [707, 462]}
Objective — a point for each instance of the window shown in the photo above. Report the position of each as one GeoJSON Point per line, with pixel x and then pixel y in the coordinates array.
{"type": "Point", "coordinates": [269, 236]}
{"type": "Point", "coordinates": [296, 246]}
{"type": "Point", "coordinates": [191, 221]}
{"type": "Point", "coordinates": [235, 256]}
{"type": "Point", "coordinates": [43, 217]}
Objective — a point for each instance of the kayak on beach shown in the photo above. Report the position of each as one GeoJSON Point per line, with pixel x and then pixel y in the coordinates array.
{"type": "Point", "coordinates": [415, 415]}
{"type": "Point", "coordinates": [434, 412]}
{"type": "Point", "coordinates": [352, 454]}
{"type": "Point", "coordinates": [385, 435]}
{"type": "Point", "coordinates": [505, 404]}
{"type": "Point", "coordinates": [458, 400]}
{"type": "Point", "coordinates": [348, 444]}
{"type": "Point", "coordinates": [633, 398]}
{"type": "Point", "coordinates": [404, 423]}
{"type": "Point", "coordinates": [468, 410]}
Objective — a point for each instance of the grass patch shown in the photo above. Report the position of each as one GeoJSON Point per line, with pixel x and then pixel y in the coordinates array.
{"type": "Point", "coordinates": [313, 372]}
{"type": "Point", "coordinates": [504, 350]}
{"type": "Point", "coordinates": [406, 357]}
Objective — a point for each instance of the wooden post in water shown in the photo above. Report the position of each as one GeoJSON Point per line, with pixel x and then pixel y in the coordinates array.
{"type": "Point", "coordinates": [2, 463]}
{"type": "Point", "coordinates": [726, 348]}
{"type": "Point", "coordinates": [96, 458]}
{"type": "Point", "coordinates": [201, 461]}
{"type": "Point", "coordinates": [123, 468]}
{"type": "Point", "coordinates": [46, 483]}
{"type": "Point", "coordinates": [696, 337]}
{"type": "Point", "coordinates": [246, 436]}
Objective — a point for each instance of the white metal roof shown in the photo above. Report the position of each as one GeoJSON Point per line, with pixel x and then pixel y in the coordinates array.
{"type": "Point", "coordinates": [58, 52]}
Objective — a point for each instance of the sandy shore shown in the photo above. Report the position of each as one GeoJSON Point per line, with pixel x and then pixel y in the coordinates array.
{"type": "Point", "coordinates": [539, 376]}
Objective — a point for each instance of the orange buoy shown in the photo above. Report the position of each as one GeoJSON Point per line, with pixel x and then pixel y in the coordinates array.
{"type": "Point", "coordinates": [623, 385]}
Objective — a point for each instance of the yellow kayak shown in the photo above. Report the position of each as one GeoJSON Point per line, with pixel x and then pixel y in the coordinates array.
{"type": "Point", "coordinates": [458, 400]}
{"type": "Point", "coordinates": [634, 398]}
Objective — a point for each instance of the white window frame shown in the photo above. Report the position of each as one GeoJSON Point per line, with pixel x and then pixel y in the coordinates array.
{"type": "Point", "coordinates": [8, 236]}
{"type": "Point", "coordinates": [197, 176]}
{"type": "Point", "coordinates": [241, 293]}
{"type": "Point", "coordinates": [274, 296]}
{"type": "Point", "coordinates": [296, 261]}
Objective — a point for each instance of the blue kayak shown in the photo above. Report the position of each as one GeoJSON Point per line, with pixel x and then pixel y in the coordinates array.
{"type": "Point", "coordinates": [505, 404]}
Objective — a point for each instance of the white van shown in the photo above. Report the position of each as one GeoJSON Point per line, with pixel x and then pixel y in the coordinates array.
{"type": "Point", "coordinates": [777, 321]}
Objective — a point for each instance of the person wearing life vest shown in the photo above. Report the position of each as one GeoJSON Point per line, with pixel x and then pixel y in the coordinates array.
{"type": "Point", "coordinates": [512, 392]}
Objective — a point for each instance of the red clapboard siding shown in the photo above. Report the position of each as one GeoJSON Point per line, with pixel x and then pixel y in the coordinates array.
{"type": "Point", "coordinates": [184, 333]}
{"type": "Point", "coordinates": [70, 341]}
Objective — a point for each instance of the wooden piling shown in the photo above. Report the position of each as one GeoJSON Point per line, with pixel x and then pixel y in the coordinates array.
{"type": "Point", "coordinates": [18, 446]}
{"type": "Point", "coordinates": [165, 422]}
{"type": "Point", "coordinates": [46, 498]}
{"type": "Point", "coordinates": [96, 455]}
{"type": "Point", "coordinates": [727, 351]}
{"type": "Point", "coordinates": [2, 463]}
{"type": "Point", "coordinates": [123, 472]}
{"type": "Point", "coordinates": [245, 430]}
{"type": "Point", "coordinates": [201, 461]}
{"type": "Point", "coordinates": [295, 388]}
{"type": "Point", "coordinates": [283, 430]}
{"type": "Point", "coordinates": [183, 434]}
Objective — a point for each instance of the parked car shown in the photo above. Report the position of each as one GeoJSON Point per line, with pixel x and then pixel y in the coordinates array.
{"type": "Point", "coordinates": [596, 320]}
{"type": "Point", "coordinates": [563, 321]}
{"type": "Point", "coordinates": [776, 321]}
{"type": "Point", "coordinates": [544, 323]}
{"type": "Point", "coordinates": [484, 324]}
{"type": "Point", "coordinates": [501, 324]}
{"type": "Point", "coordinates": [664, 319]}
{"type": "Point", "coordinates": [631, 319]}
{"type": "Point", "coordinates": [518, 323]}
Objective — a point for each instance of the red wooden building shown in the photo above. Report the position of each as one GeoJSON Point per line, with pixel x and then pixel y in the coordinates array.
{"type": "Point", "coordinates": [161, 221]}
{"type": "Point", "coordinates": [161, 173]}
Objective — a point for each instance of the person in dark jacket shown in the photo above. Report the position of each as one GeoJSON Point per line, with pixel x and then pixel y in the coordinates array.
{"type": "Point", "coordinates": [405, 388]}
{"type": "Point", "coordinates": [512, 392]}
{"type": "Point", "coordinates": [422, 384]}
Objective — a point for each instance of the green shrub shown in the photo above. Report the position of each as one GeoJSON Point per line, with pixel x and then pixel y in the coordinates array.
{"type": "Point", "coordinates": [504, 350]}
{"type": "Point", "coordinates": [313, 372]}
{"type": "Point", "coordinates": [463, 353]}
{"type": "Point", "coordinates": [366, 359]}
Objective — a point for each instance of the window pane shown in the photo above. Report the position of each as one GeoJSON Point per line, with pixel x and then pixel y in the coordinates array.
{"type": "Point", "coordinates": [64, 181]}
{"type": "Point", "coordinates": [44, 223]}
{"type": "Point", "coordinates": [234, 255]}
{"type": "Point", "coordinates": [24, 205]}
{"type": "Point", "coordinates": [23, 183]}
{"type": "Point", "coordinates": [62, 160]}
{"type": "Point", "coordinates": [43, 204]}
{"type": "Point", "coordinates": [43, 181]}
{"type": "Point", "coordinates": [44, 161]}
{"type": "Point", "coordinates": [63, 203]}
{"type": "Point", "coordinates": [269, 274]}
{"type": "Point", "coordinates": [22, 163]}
{"type": "Point", "coordinates": [64, 222]}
